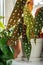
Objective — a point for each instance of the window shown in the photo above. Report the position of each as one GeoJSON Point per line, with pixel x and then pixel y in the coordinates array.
{"type": "Point", "coordinates": [2, 9]}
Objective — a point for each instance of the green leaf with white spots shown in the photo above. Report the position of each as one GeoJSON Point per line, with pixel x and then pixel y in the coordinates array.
{"type": "Point", "coordinates": [38, 22]}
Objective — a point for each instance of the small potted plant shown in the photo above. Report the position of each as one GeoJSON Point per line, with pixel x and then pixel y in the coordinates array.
{"type": "Point", "coordinates": [38, 35]}
{"type": "Point", "coordinates": [6, 52]}
{"type": "Point", "coordinates": [27, 34]}
{"type": "Point", "coordinates": [32, 34]}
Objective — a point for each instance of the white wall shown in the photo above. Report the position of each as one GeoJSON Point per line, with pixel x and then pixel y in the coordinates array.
{"type": "Point", "coordinates": [37, 4]}
{"type": "Point", "coordinates": [9, 5]}
{"type": "Point", "coordinates": [1, 9]}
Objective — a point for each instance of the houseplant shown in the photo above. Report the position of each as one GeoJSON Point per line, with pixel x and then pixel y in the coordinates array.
{"type": "Point", "coordinates": [38, 34]}
{"type": "Point", "coordinates": [33, 30]}
{"type": "Point", "coordinates": [16, 18]}
{"type": "Point", "coordinates": [26, 29]}
{"type": "Point", "coordinates": [27, 32]}
{"type": "Point", "coordinates": [18, 29]}
{"type": "Point", "coordinates": [18, 8]}
{"type": "Point", "coordinates": [6, 52]}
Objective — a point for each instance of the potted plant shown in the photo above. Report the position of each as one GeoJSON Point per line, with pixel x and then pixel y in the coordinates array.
{"type": "Point", "coordinates": [6, 52]}
{"type": "Point", "coordinates": [38, 35]}
{"type": "Point", "coordinates": [29, 40]}
{"type": "Point", "coordinates": [32, 35]}
{"type": "Point", "coordinates": [18, 9]}
{"type": "Point", "coordinates": [16, 18]}
{"type": "Point", "coordinates": [27, 29]}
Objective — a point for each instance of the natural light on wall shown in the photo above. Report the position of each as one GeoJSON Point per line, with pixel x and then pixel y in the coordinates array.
{"type": "Point", "coordinates": [38, 1]}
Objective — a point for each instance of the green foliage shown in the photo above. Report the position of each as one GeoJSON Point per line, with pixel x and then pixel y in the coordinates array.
{"type": "Point", "coordinates": [29, 22]}
{"type": "Point", "coordinates": [16, 15]}
{"type": "Point", "coordinates": [25, 29]}
{"type": "Point", "coordinates": [27, 32]}
{"type": "Point", "coordinates": [25, 45]}
{"type": "Point", "coordinates": [6, 34]}
{"type": "Point", "coordinates": [6, 52]}
{"type": "Point", "coordinates": [2, 25]}
{"type": "Point", "coordinates": [38, 22]}
{"type": "Point", "coordinates": [1, 17]}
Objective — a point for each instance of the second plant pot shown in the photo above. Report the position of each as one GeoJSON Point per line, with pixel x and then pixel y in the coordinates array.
{"type": "Point", "coordinates": [36, 49]}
